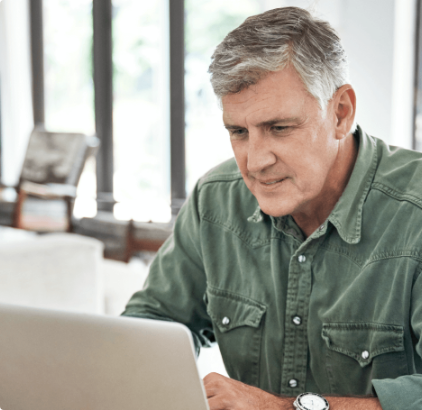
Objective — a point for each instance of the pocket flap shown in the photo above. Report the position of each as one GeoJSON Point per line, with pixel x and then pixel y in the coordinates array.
{"type": "Point", "coordinates": [363, 341]}
{"type": "Point", "coordinates": [228, 310]}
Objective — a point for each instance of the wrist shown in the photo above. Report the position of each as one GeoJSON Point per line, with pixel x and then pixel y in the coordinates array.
{"type": "Point", "coordinates": [280, 403]}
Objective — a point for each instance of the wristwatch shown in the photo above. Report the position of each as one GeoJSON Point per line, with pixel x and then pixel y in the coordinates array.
{"type": "Point", "coordinates": [311, 401]}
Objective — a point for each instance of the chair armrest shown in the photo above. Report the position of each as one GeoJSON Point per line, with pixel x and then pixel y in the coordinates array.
{"type": "Point", "coordinates": [48, 191]}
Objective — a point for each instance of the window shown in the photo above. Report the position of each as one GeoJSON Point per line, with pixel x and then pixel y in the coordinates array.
{"type": "Point", "coordinates": [69, 90]}
{"type": "Point", "coordinates": [140, 111]}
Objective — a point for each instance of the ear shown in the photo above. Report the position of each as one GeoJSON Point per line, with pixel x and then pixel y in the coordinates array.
{"type": "Point", "coordinates": [345, 109]}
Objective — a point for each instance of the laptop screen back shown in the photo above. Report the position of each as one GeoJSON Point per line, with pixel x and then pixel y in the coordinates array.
{"type": "Point", "coordinates": [54, 360]}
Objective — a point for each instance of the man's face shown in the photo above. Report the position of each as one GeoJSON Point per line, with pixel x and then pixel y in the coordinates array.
{"type": "Point", "coordinates": [283, 143]}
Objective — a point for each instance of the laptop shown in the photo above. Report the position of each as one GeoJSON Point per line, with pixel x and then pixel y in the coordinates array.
{"type": "Point", "coordinates": [51, 360]}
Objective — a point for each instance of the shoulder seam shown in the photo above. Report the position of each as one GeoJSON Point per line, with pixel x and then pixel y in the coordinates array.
{"type": "Point", "coordinates": [220, 178]}
{"type": "Point", "coordinates": [398, 195]}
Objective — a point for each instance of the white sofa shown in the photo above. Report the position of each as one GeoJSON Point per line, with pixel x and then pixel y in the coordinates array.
{"type": "Point", "coordinates": [56, 271]}
{"type": "Point", "coordinates": [66, 272]}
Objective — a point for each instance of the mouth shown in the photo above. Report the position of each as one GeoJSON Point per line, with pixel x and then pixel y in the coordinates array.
{"type": "Point", "coordinates": [271, 183]}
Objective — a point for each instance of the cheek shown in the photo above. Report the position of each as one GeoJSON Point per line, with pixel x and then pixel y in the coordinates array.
{"type": "Point", "coordinates": [313, 167]}
{"type": "Point", "coordinates": [241, 155]}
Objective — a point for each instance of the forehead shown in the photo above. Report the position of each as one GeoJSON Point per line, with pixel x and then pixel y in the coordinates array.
{"type": "Point", "coordinates": [281, 93]}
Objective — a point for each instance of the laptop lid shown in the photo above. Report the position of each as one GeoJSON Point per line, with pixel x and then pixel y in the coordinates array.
{"type": "Point", "coordinates": [53, 360]}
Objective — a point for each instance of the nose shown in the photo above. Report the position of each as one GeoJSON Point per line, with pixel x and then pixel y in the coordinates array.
{"type": "Point", "coordinates": [260, 155]}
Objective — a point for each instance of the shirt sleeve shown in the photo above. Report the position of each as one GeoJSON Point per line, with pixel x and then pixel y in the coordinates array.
{"type": "Point", "coordinates": [405, 392]}
{"type": "Point", "coordinates": [175, 287]}
{"type": "Point", "coordinates": [401, 393]}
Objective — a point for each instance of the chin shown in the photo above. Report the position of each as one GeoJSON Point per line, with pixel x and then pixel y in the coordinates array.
{"type": "Point", "coordinates": [275, 209]}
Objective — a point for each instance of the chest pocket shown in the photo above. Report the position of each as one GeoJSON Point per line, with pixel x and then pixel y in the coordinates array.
{"type": "Point", "coordinates": [238, 327]}
{"type": "Point", "coordinates": [360, 352]}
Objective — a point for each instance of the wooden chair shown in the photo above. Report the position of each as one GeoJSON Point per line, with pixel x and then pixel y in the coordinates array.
{"type": "Point", "coordinates": [145, 236]}
{"type": "Point", "coordinates": [50, 173]}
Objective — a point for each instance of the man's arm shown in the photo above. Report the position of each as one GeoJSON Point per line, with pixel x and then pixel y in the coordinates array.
{"type": "Point", "coordinates": [224, 394]}
{"type": "Point", "coordinates": [405, 392]}
{"type": "Point", "coordinates": [175, 287]}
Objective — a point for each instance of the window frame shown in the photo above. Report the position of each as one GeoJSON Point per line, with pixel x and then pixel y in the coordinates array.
{"type": "Point", "coordinates": [103, 94]}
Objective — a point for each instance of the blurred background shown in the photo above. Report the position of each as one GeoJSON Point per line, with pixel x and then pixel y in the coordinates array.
{"type": "Point", "coordinates": [134, 74]}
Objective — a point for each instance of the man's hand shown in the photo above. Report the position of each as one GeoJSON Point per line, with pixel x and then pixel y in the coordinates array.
{"type": "Point", "coordinates": [228, 394]}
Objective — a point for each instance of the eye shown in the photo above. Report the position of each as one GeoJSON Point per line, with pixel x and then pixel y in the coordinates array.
{"type": "Point", "coordinates": [238, 133]}
{"type": "Point", "coordinates": [279, 128]}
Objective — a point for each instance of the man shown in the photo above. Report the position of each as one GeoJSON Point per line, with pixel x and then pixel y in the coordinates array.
{"type": "Point", "coordinates": [303, 257]}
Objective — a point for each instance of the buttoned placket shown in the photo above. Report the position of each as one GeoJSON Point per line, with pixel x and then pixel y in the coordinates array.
{"type": "Point", "coordinates": [294, 367]}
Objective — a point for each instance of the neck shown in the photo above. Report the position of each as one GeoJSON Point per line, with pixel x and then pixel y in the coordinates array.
{"type": "Point", "coordinates": [313, 217]}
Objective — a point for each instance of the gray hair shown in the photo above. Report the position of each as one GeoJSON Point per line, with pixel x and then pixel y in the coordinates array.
{"type": "Point", "coordinates": [270, 41]}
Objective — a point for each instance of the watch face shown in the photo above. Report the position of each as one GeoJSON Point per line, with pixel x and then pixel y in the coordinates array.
{"type": "Point", "coordinates": [312, 402]}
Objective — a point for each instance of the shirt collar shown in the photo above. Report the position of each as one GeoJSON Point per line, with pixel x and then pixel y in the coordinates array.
{"type": "Point", "coordinates": [347, 214]}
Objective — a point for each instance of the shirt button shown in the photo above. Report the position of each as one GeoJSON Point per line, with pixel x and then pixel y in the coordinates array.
{"type": "Point", "coordinates": [321, 228]}
{"type": "Point", "coordinates": [297, 320]}
{"type": "Point", "coordinates": [365, 354]}
{"type": "Point", "coordinates": [301, 258]}
{"type": "Point", "coordinates": [293, 383]}
{"type": "Point", "coordinates": [225, 321]}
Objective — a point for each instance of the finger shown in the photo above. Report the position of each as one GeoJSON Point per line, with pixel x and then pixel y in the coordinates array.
{"type": "Point", "coordinates": [215, 403]}
{"type": "Point", "coordinates": [211, 377]}
{"type": "Point", "coordinates": [210, 392]}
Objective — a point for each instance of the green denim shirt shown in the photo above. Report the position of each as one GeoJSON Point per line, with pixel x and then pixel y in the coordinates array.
{"type": "Point", "coordinates": [339, 312]}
